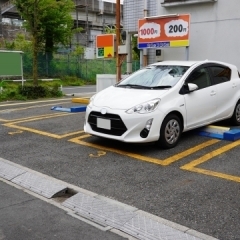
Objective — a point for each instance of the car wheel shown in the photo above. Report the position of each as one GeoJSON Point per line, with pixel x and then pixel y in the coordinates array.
{"type": "Point", "coordinates": [170, 132]}
{"type": "Point", "coordinates": [236, 115]}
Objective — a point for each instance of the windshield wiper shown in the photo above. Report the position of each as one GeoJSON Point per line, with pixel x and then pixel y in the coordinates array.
{"type": "Point", "coordinates": [161, 87]}
{"type": "Point", "coordinates": [132, 86]}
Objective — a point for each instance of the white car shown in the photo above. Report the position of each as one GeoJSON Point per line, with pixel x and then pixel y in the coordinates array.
{"type": "Point", "coordinates": [159, 102]}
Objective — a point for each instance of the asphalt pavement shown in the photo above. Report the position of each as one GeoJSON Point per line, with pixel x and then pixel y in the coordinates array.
{"type": "Point", "coordinates": [25, 216]}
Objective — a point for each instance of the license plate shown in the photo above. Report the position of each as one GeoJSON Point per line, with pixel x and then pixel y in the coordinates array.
{"type": "Point", "coordinates": [103, 123]}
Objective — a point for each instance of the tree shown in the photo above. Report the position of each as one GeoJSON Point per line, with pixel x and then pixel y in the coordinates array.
{"type": "Point", "coordinates": [49, 22]}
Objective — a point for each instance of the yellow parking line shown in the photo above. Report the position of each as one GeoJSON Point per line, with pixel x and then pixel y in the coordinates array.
{"type": "Point", "coordinates": [25, 103]}
{"type": "Point", "coordinates": [39, 117]}
{"type": "Point", "coordinates": [17, 120]}
{"type": "Point", "coordinates": [3, 120]}
{"type": "Point", "coordinates": [189, 151]}
{"type": "Point", "coordinates": [57, 136]}
{"type": "Point", "coordinates": [192, 165]}
{"type": "Point", "coordinates": [78, 140]}
{"type": "Point", "coordinates": [32, 117]}
{"type": "Point", "coordinates": [38, 106]}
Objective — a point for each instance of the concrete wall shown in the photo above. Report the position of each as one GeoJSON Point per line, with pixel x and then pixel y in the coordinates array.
{"type": "Point", "coordinates": [214, 28]}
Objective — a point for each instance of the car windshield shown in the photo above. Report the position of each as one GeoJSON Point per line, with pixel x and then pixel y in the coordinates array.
{"type": "Point", "coordinates": [154, 77]}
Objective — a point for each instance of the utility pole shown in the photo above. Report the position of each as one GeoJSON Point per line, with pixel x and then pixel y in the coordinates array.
{"type": "Point", "coordinates": [87, 27]}
{"type": "Point", "coordinates": [77, 22]}
{"type": "Point", "coordinates": [118, 63]}
{"type": "Point", "coordinates": [1, 27]}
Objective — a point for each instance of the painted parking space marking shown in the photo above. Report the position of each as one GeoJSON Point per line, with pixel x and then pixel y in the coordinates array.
{"type": "Point", "coordinates": [48, 134]}
{"type": "Point", "coordinates": [30, 107]}
{"type": "Point", "coordinates": [192, 166]}
{"type": "Point", "coordinates": [17, 120]}
{"type": "Point", "coordinates": [165, 162]}
{"type": "Point", "coordinates": [98, 154]}
{"type": "Point", "coordinates": [26, 103]}
{"type": "Point", "coordinates": [16, 132]}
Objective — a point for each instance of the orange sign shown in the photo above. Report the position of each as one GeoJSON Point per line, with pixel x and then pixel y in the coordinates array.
{"type": "Point", "coordinates": [105, 45]}
{"type": "Point", "coordinates": [164, 32]}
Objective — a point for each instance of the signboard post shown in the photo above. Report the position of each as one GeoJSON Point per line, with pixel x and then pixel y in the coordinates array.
{"type": "Point", "coordinates": [105, 45]}
{"type": "Point", "coordinates": [162, 32]}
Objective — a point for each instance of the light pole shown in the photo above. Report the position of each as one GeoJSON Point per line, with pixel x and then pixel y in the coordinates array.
{"type": "Point", "coordinates": [118, 64]}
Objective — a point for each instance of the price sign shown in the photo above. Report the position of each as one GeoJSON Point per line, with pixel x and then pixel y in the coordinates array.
{"type": "Point", "coordinates": [105, 45]}
{"type": "Point", "coordinates": [176, 28]}
{"type": "Point", "coordinates": [149, 30]}
{"type": "Point", "coordinates": [164, 32]}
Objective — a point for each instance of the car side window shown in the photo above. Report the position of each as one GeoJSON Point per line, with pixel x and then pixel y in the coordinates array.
{"type": "Point", "coordinates": [220, 74]}
{"type": "Point", "coordinates": [200, 77]}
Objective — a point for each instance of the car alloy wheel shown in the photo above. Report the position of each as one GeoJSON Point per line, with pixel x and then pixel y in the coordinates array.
{"type": "Point", "coordinates": [170, 132]}
{"type": "Point", "coordinates": [236, 115]}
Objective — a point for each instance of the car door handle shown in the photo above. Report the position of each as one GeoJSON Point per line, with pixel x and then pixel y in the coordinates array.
{"type": "Point", "coordinates": [212, 93]}
{"type": "Point", "coordinates": [234, 85]}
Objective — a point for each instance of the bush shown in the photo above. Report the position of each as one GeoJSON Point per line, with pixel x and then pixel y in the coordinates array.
{"type": "Point", "coordinates": [7, 94]}
{"type": "Point", "coordinates": [35, 92]}
{"type": "Point", "coordinates": [32, 92]}
{"type": "Point", "coordinates": [72, 81]}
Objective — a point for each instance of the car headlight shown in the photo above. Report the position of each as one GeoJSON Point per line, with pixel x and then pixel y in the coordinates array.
{"type": "Point", "coordinates": [91, 101]}
{"type": "Point", "coordinates": [146, 107]}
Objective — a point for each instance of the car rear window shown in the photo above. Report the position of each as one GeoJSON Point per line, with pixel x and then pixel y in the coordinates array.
{"type": "Point", "coordinates": [221, 74]}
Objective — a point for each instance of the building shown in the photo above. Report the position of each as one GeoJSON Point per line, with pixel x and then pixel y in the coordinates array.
{"type": "Point", "coordinates": [214, 26]}
{"type": "Point", "coordinates": [93, 16]}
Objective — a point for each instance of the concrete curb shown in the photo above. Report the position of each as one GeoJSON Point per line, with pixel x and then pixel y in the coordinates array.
{"type": "Point", "coordinates": [81, 100]}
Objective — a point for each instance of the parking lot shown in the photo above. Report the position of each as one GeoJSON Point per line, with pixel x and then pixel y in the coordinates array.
{"type": "Point", "coordinates": [195, 184]}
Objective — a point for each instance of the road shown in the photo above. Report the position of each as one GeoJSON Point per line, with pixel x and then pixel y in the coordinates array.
{"type": "Point", "coordinates": [83, 90]}
{"type": "Point", "coordinates": [195, 185]}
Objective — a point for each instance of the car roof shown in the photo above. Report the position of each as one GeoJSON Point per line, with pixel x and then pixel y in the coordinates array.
{"type": "Point", "coordinates": [177, 63]}
{"type": "Point", "coordinates": [191, 63]}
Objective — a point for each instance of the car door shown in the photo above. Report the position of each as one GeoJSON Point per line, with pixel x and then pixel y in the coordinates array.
{"type": "Point", "coordinates": [200, 104]}
{"type": "Point", "coordinates": [226, 90]}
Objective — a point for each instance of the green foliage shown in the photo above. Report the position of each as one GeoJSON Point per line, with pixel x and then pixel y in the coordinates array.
{"type": "Point", "coordinates": [20, 43]}
{"type": "Point", "coordinates": [73, 66]}
{"type": "Point", "coordinates": [78, 51]}
{"type": "Point", "coordinates": [71, 81]}
{"type": "Point", "coordinates": [10, 92]}
{"type": "Point", "coordinates": [49, 22]}
{"type": "Point", "coordinates": [136, 51]}
{"type": "Point", "coordinates": [35, 92]}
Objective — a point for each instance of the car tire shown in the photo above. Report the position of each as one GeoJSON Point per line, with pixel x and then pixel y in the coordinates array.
{"type": "Point", "coordinates": [235, 119]}
{"type": "Point", "coordinates": [170, 132]}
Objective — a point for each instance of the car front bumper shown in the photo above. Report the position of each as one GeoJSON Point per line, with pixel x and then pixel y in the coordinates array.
{"type": "Point", "coordinates": [131, 124]}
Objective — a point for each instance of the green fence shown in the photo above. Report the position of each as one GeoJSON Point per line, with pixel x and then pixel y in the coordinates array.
{"type": "Point", "coordinates": [69, 65]}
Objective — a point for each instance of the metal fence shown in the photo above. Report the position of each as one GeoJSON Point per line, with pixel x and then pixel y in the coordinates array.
{"type": "Point", "coordinates": [62, 65]}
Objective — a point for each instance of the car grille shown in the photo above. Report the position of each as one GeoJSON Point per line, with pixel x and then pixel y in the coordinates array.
{"type": "Point", "coordinates": [118, 128]}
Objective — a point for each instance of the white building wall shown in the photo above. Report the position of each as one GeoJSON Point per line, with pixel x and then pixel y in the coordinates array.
{"type": "Point", "coordinates": [214, 29]}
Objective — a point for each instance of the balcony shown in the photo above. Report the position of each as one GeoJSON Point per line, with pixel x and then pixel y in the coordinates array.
{"type": "Point", "coordinates": [97, 6]}
{"type": "Point", "coordinates": [172, 3]}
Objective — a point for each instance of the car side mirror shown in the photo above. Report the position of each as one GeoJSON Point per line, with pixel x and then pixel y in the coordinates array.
{"type": "Point", "coordinates": [188, 87]}
{"type": "Point", "coordinates": [192, 87]}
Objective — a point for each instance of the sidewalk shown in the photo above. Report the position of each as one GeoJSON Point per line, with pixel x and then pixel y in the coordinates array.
{"type": "Point", "coordinates": [23, 216]}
